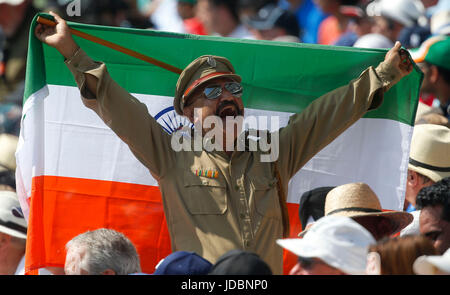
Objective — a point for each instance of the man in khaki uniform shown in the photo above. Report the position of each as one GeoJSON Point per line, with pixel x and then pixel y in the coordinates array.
{"type": "Point", "coordinates": [216, 201]}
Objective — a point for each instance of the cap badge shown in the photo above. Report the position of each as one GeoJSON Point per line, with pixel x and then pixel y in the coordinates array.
{"type": "Point", "coordinates": [211, 61]}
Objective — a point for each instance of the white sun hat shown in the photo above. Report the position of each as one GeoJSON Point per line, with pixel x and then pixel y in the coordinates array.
{"type": "Point", "coordinates": [337, 240]}
{"type": "Point", "coordinates": [427, 265]}
{"type": "Point", "coordinates": [12, 221]}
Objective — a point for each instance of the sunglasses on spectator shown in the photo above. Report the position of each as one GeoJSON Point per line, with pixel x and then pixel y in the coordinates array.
{"type": "Point", "coordinates": [215, 91]}
{"type": "Point", "coordinates": [307, 263]}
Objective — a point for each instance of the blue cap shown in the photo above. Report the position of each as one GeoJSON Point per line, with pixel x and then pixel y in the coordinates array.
{"type": "Point", "coordinates": [183, 263]}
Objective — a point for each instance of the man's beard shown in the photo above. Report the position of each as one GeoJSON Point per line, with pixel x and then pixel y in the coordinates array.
{"type": "Point", "coordinates": [225, 109]}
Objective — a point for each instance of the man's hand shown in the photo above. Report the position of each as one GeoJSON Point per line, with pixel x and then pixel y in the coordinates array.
{"type": "Point", "coordinates": [399, 58]}
{"type": "Point", "coordinates": [58, 37]}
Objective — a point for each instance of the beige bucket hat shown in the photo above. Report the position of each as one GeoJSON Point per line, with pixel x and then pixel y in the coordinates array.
{"type": "Point", "coordinates": [8, 146]}
{"type": "Point", "coordinates": [358, 200]}
{"type": "Point", "coordinates": [199, 71]}
{"type": "Point", "coordinates": [430, 151]}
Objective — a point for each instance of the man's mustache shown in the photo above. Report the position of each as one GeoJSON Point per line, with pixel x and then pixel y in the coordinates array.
{"type": "Point", "coordinates": [226, 103]}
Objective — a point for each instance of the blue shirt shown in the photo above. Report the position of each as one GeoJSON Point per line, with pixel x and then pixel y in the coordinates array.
{"type": "Point", "coordinates": [309, 17]}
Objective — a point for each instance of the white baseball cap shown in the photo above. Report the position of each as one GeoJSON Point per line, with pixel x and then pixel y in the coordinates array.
{"type": "Point", "coordinates": [373, 40]}
{"type": "Point", "coordinates": [426, 265]}
{"type": "Point", "coordinates": [406, 12]}
{"type": "Point", "coordinates": [339, 241]}
{"type": "Point", "coordinates": [12, 221]}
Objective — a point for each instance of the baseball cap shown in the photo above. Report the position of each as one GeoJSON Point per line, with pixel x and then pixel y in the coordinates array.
{"type": "Point", "coordinates": [435, 50]}
{"type": "Point", "coordinates": [405, 12]}
{"type": "Point", "coordinates": [239, 262]}
{"type": "Point", "coordinates": [198, 72]}
{"type": "Point", "coordinates": [373, 40]}
{"type": "Point", "coordinates": [337, 240]}
{"type": "Point", "coordinates": [183, 263]}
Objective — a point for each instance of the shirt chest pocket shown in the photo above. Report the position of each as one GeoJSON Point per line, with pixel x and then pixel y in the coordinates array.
{"type": "Point", "coordinates": [204, 195]}
{"type": "Point", "coordinates": [265, 196]}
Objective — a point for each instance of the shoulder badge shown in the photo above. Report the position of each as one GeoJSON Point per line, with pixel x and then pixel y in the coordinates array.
{"type": "Point", "coordinates": [211, 61]}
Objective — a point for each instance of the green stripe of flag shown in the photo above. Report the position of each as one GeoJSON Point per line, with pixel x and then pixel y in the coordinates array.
{"type": "Point", "coordinates": [277, 76]}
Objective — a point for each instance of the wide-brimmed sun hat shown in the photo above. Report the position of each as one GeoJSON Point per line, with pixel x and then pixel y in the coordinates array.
{"type": "Point", "coordinates": [430, 151]}
{"type": "Point", "coordinates": [357, 200]}
{"type": "Point", "coordinates": [428, 264]}
{"type": "Point", "coordinates": [12, 221]}
{"type": "Point", "coordinates": [338, 241]}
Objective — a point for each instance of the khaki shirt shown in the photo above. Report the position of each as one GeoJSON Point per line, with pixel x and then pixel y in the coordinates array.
{"type": "Point", "coordinates": [238, 209]}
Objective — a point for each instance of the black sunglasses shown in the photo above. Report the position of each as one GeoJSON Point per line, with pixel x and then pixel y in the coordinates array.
{"type": "Point", "coordinates": [215, 91]}
{"type": "Point", "coordinates": [306, 262]}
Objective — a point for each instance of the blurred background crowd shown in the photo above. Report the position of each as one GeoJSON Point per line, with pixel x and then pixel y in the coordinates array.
{"type": "Point", "coordinates": [359, 23]}
{"type": "Point", "coordinates": [417, 24]}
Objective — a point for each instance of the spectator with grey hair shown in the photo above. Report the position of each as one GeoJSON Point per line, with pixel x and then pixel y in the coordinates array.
{"type": "Point", "coordinates": [101, 252]}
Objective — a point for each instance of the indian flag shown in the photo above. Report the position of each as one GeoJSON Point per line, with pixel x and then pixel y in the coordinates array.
{"type": "Point", "coordinates": [74, 174]}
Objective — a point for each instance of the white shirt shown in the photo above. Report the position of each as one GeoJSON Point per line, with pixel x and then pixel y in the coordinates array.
{"type": "Point", "coordinates": [21, 267]}
{"type": "Point", "coordinates": [241, 32]}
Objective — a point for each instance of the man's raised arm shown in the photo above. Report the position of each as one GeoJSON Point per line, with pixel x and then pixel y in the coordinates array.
{"type": "Point", "coordinates": [123, 113]}
{"type": "Point", "coordinates": [61, 39]}
{"type": "Point", "coordinates": [330, 115]}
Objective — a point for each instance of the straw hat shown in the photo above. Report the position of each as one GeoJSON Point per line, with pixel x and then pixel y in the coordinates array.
{"type": "Point", "coordinates": [358, 200]}
{"type": "Point", "coordinates": [8, 146]}
{"type": "Point", "coordinates": [430, 150]}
